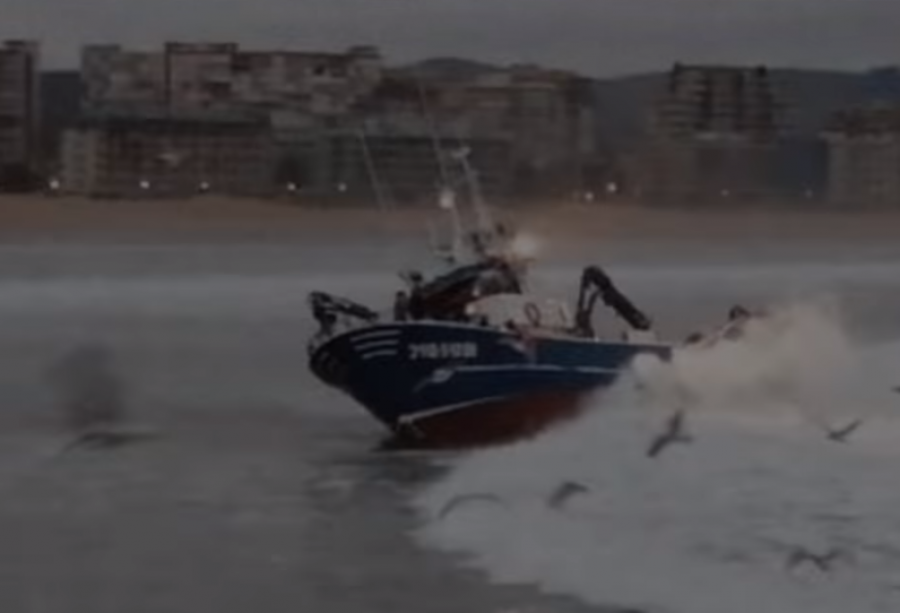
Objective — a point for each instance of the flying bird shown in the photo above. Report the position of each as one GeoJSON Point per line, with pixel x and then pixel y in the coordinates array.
{"type": "Point", "coordinates": [564, 492]}
{"type": "Point", "coordinates": [841, 435]}
{"type": "Point", "coordinates": [96, 439]}
{"type": "Point", "coordinates": [674, 433]}
{"type": "Point", "coordinates": [458, 501]}
{"type": "Point", "coordinates": [822, 561]}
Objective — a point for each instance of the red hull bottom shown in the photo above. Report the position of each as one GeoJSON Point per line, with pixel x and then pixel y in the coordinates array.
{"type": "Point", "coordinates": [492, 423]}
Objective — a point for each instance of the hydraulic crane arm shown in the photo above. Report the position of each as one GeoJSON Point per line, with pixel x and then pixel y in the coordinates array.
{"type": "Point", "coordinates": [595, 284]}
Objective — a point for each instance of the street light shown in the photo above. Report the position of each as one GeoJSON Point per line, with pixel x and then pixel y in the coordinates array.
{"type": "Point", "coordinates": [447, 199]}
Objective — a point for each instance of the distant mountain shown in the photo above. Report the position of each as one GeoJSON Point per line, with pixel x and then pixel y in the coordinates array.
{"type": "Point", "coordinates": [812, 96]}
{"type": "Point", "coordinates": [448, 68]}
{"type": "Point", "coordinates": [882, 83]}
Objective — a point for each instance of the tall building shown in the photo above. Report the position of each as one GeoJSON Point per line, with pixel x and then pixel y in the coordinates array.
{"type": "Point", "coordinates": [391, 148]}
{"type": "Point", "coordinates": [191, 76]}
{"type": "Point", "coordinates": [340, 121]}
{"type": "Point", "coordinates": [529, 131]}
{"type": "Point", "coordinates": [296, 94]}
{"type": "Point", "coordinates": [551, 121]}
{"type": "Point", "coordinates": [864, 157]}
{"type": "Point", "coordinates": [714, 101]}
{"type": "Point", "coordinates": [713, 135]}
{"type": "Point", "coordinates": [547, 117]}
{"type": "Point", "coordinates": [19, 113]}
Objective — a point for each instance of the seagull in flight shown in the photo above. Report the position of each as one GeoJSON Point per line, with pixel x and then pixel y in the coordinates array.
{"type": "Point", "coordinates": [822, 561]}
{"type": "Point", "coordinates": [674, 433]}
{"type": "Point", "coordinates": [458, 501]}
{"type": "Point", "coordinates": [107, 439]}
{"type": "Point", "coordinates": [564, 492]}
{"type": "Point", "coordinates": [841, 435]}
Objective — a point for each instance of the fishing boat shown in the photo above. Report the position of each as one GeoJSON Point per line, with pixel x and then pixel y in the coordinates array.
{"type": "Point", "coordinates": [470, 356]}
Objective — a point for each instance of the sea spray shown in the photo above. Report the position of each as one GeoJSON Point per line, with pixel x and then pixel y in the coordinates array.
{"type": "Point", "coordinates": [707, 527]}
{"type": "Point", "coordinates": [796, 360]}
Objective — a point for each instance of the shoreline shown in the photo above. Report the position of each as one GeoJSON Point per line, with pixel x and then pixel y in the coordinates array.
{"type": "Point", "coordinates": [39, 218]}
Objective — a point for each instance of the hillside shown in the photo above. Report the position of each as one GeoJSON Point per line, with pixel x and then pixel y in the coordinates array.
{"type": "Point", "coordinates": [447, 68]}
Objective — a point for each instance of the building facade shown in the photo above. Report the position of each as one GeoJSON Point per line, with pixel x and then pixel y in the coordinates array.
{"type": "Point", "coordinates": [168, 155]}
{"type": "Point", "coordinates": [345, 127]}
{"type": "Point", "coordinates": [714, 135]}
{"type": "Point", "coordinates": [716, 100]}
{"type": "Point", "coordinates": [19, 113]}
{"type": "Point", "coordinates": [547, 118]}
{"type": "Point", "coordinates": [191, 76]}
{"type": "Point", "coordinates": [864, 157]}
{"type": "Point", "coordinates": [402, 169]}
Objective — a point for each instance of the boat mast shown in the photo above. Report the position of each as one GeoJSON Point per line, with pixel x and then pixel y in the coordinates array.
{"type": "Point", "coordinates": [484, 222]}
{"type": "Point", "coordinates": [446, 194]}
{"type": "Point", "coordinates": [370, 168]}
{"type": "Point", "coordinates": [433, 132]}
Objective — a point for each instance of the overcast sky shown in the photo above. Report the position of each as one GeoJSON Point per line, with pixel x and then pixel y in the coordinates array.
{"type": "Point", "coordinates": [598, 37]}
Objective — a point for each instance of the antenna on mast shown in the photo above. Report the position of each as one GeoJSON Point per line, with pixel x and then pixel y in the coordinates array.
{"type": "Point", "coordinates": [370, 168]}
{"type": "Point", "coordinates": [483, 218]}
{"type": "Point", "coordinates": [433, 131]}
{"type": "Point", "coordinates": [446, 194]}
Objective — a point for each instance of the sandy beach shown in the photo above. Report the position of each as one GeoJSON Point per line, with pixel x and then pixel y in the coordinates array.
{"type": "Point", "coordinates": [24, 218]}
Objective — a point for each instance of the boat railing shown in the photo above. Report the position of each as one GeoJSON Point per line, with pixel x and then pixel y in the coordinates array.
{"type": "Point", "coordinates": [523, 310]}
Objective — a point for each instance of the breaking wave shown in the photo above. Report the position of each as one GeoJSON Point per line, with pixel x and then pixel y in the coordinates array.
{"type": "Point", "coordinates": [710, 526]}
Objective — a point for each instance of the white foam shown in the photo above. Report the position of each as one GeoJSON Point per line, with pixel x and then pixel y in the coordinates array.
{"type": "Point", "coordinates": [705, 528]}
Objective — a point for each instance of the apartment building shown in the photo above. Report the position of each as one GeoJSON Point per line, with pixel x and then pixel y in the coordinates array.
{"type": "Point", "coordinates": [191, 76]}
{"type": "Point", "coordinates": [864, 157]}
{"type": "Point", "coordinates": [546, 116]}
{"type": "Point", "coordinates": [715, 100]}
{"type": "Point", "coordinates": [340, 121]}
{"type": "Point", "coordinates": [391, 150]}
{"type": "Point", "coordinates": [714, 136]}
{"type": "Point", "coordinates": [168, 154]}
{"type": "Point", "coordinates": [19, 113]}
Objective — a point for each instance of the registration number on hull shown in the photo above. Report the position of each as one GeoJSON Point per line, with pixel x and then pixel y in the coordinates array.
{"type": "Point", "coordinates": [442, 351]}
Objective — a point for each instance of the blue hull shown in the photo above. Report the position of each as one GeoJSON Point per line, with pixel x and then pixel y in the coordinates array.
{"type": "Point", "coordinates": [439, 380]}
